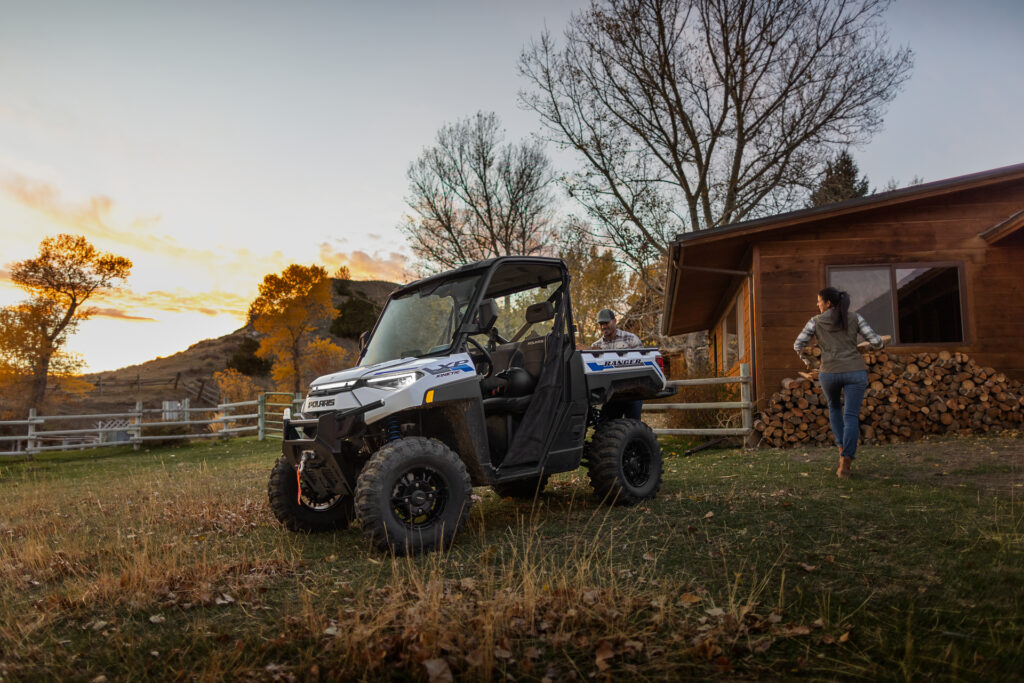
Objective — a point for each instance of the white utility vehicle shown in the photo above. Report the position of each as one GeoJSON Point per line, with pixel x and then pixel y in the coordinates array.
{"type": "Point", "coordinates": [469, 378]}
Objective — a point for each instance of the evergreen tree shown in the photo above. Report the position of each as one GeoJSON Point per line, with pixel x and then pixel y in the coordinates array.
{"type": "Point", "coordinates": [839, 182]}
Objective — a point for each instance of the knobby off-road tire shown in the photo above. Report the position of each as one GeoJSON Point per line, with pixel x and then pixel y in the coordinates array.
{"type": "Point", "coordinates": [413, 496]}
{"type": "Point", "coordinates": [311, 515]}
{"type": "Point", "coordinates": [624, 462]}
{"type": "Point", "coordinates": [522, 489]}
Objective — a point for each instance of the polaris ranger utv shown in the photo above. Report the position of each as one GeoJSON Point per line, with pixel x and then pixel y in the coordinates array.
{"type": "Point", "coordinates": [469, 378]}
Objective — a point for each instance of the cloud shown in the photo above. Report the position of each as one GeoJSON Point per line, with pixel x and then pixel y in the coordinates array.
{"type": "Point", "coordinates": [119, 314]}
{"type": "Point", "coordinates": [213, 303]}
{"type": "Point", "coordinates": [390, 266]}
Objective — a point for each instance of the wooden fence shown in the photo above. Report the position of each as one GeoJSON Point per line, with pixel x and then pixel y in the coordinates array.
{"type": "Point", "coordinates": [745, 405]}
{"type": "Point", "coordinates": [136, 427]}
{"type": "Point", "coordinates": [268, 419]}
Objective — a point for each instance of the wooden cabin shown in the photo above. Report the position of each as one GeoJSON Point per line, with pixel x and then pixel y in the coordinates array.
{"type": "Point", "coordinates": [938, 266]}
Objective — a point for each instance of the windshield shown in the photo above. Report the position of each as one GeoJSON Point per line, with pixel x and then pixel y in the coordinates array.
{"type": "Point", "coordinates": [421, 323]}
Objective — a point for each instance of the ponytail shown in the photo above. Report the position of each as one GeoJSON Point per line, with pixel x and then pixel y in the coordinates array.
{"type": "Point", "coordinates": [839, 302]}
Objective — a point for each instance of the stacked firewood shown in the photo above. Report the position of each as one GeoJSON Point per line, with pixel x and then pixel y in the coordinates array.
{"type": "Point", "coordinates": [907, 397]}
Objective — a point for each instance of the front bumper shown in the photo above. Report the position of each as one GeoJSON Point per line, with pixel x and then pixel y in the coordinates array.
{"type": "Point", "coordinates": [324, 435]}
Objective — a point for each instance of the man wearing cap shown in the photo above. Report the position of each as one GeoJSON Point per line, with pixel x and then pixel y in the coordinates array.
{"type": "Point", "coordinates": [611, 336]}
{"type": "Point", "coordinates": [614, 338]}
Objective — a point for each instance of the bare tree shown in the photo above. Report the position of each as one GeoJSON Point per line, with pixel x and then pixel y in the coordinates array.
{"type": "Point", "coordinates": [690, 114]}
{"type": "Point", "coordinates": [473, 197]}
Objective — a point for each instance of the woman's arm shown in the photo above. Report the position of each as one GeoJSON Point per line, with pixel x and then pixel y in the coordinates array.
{"type": "Point", "coordinates": [805, 336]}
{"type": "Point", "coordinates": [868, 333]}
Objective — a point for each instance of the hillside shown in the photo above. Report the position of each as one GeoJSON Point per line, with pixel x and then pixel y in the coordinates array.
{"type": "Point", "coordinates": [169, 377]}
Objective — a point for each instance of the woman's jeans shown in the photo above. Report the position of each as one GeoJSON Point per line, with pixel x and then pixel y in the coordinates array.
{"type": "Point", "coordinates": [844, 415]}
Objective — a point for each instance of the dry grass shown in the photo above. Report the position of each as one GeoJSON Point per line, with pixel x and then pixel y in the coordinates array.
{"type": "Point", "coordinates": [167, 564]}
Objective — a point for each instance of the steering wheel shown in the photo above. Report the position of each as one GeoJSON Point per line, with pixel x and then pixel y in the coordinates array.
{"type": "Point", "coordinates": [487, 356]}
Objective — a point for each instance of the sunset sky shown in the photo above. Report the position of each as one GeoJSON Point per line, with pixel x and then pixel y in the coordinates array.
{"type": "Point", "coordinates": [213, 143]}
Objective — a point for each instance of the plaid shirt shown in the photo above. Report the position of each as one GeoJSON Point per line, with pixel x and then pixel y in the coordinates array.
{"type": "Point", "coordinates": [620, 340]}
{"type": "Point", "coordinates": [804, 338]}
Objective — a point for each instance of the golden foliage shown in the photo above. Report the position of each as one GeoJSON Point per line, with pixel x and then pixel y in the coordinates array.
{"type": "Point", "coordinates": [287, 312]}
{"type": "Point", "coordinates": [68, 270]}
{"type": "Point", "coordinates": [597, 282]}
{"type": "Point", "coordinates": [66, 273]}
{"type": "Point", "coordinates": [234, 386]}
{"type": "Point", "coordinates": [322, 357]}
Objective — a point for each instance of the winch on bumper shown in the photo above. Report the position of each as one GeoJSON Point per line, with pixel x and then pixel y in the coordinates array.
{"type": "Point", "coordinates": [311, 444]}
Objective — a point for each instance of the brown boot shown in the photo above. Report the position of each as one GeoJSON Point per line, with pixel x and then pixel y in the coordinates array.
{"type": "Point", "coordinates": [844, 467]}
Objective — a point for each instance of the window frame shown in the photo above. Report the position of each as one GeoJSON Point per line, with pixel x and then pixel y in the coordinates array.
{"type": "Point", "coordinates": [893, 266]}
{"type": "Point", "coordinates": [734, 310]}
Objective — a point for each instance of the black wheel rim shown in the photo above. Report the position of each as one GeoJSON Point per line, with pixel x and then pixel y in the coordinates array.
{"type": "Point", "coordinates": [321, 505]}
{"type": "Point", "coordinates": [419, 497]}
{"type": "Point", "coordinates": [636, 463]}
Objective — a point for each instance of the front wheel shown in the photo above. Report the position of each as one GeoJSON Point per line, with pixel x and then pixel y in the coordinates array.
{"type": "Point", "coordinates": [307, 514]}
{"type": "Point", "coordinates": [413, 496]}
{"type": "Point", "coordinates": [624, 462]}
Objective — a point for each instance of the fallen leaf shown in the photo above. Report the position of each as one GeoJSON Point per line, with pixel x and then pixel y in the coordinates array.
{"type": "Point", "coordinates": [532, 653]}
{"type": "Point", "coordinates": [688, 599]}
{"type": "Point", "coordinates": [715, 612]}
{"type": "Point", "coordinates": [845, 637]}
{"type": "Point", "coordinates": [224, 599]}
{"type": "Point", "coordinates": [709, 515]}
{"type": "Point", "coordinates": [590, 597]}
{"type": "Point", "coordinates": [774, 618]}
{"type": "Point", "coordinates": [475, 658]}
{"type": "Point", "coordinates": [818, 623]}
{"type": "Point", "coordinates": [649, 557]}
{"type": "Point", "coordinates": [157, 619]}
{"type": "Point", "coordinates": [604, 652]}
{"type": "Point", "coordinates": [808, 567]}
{"type": "Point", "coordinates": [438, 671]}
{"type": "Point", "coordinates": [502, 653]}
{"type": "Point", "coordinates": [799, 630]}
{"type": "Point", "coordinates": [828, 639]}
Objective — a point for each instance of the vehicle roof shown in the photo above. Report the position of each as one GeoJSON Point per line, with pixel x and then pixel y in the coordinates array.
{"type": "Point", "coordinates": [478, 267]}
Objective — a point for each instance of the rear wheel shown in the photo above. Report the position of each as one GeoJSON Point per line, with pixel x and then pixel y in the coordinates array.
{"type": "Point", "coordinates": [624, 462]}
{"type": "Point", "coordinates": [309, 514]}
{"type": "Point", "coordinates": [413, 496]}
{"type": "Point", "coordinates": [523, 489]}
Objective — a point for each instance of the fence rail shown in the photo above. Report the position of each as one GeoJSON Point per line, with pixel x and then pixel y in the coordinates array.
{"type": "Point", "coordinates": [43, 432]}
{"type": "Point", "coordinates": [745, 405]}
{"type": "Point", "coordinates": [268, 419]}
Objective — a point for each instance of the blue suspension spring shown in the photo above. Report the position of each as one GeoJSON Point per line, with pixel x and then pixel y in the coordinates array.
{"type": "Point", "coordinates": [394, 430]}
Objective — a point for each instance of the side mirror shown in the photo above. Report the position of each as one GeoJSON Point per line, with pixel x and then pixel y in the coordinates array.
{"type": "Point", "coordinates": [486, 315]}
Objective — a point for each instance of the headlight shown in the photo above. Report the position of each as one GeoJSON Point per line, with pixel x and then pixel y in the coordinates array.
{"type": "Point", "coordinates": [333, 385]}
{"type": "Point", "coordinates": [393, 382]}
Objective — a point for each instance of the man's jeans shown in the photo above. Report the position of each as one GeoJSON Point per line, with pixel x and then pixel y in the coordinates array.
{"type": "Point", "coordinates": [844, 414]}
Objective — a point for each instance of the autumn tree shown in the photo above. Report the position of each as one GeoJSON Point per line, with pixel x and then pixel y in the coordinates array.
{"type": "Point", "coordinates": [690, 114]}
{"type": "Point", "coordinates": [839, 182]}
{"type": "Point", "coordinates": [474, 197]}
{"type": "Point", "coordinates": [597, 282]}
{"type": "Point", "coordinates": [67, 272]}
{"type": "Point", "coordinates": [323, 357]}
{"type": "Point", "coordinates": [287, 313]}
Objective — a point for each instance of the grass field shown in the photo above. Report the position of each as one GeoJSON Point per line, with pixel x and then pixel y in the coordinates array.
{"type": "Point", "coordinates": [168, 564]}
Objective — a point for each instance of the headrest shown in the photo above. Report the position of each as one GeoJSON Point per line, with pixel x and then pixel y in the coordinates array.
{"type": "Point", "coordinates": [540, 311]}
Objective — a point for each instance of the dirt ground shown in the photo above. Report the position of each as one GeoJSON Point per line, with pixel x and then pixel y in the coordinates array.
{"type": "Point", "coordinates": [989, 463]}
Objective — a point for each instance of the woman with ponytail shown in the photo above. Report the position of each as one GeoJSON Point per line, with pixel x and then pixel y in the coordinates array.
{"type": "Point", "coordinates": [843, 376]}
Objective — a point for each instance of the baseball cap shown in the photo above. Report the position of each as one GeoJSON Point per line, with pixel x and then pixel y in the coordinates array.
{"type": "Point", "coordinates": [605, 315]}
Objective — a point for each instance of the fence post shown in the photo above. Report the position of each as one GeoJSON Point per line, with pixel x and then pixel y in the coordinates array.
{"type": "Point", "coordinates": [137, 421]}
{"type": "Point", "coordinates": [30, 443]}
{"type": "Point", "coordinates": [297, 400]}
{"type": "Point", "coordinates": [748, 410]}
{"type": "Point", "coordinates": [261, 419]}
{"type": "Point", "coordinates": [223, 420]}
{"type": "Point", "coordinates": [185, 404]}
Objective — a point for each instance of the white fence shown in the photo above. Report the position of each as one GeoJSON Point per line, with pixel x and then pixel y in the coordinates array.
{"type": "Point", "coordinates": [268, 418]}
{"type": "Point", "coordinates": [262, 416]}
{"type": "Point", "coordinates": [745, 405]}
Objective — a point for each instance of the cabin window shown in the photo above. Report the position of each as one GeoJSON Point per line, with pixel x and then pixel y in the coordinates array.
{"type": "Point", "coordinates": [732, 336]}
{"type": "Point", "coordinates": [915, 303]}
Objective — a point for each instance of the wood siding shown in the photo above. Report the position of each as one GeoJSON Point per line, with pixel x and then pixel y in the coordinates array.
{"type": "Point", "coordinates": [789, 268]}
